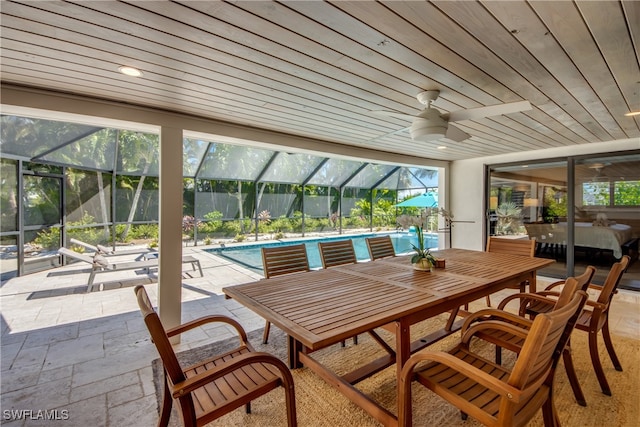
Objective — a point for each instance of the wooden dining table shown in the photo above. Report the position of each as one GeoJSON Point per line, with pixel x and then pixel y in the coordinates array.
{"type": "Point", "coordinates": [320, 308]}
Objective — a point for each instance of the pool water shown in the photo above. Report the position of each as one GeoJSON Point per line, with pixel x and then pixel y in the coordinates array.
{"type": "Point", "coordinates": [250, 256]}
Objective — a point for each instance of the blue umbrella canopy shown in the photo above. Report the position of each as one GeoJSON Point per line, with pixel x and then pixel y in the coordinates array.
{"type": "Point", "coordinates": [426, 200]}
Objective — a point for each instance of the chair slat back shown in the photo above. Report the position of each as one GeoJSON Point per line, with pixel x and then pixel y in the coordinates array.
{"type": "Point", "coordinates": [380, 247]}
{"type": "Point", "coordinates": [613, 279]}
{"type": "Point", "coordinates": [546, 340]}
{"type": "Point", "coordinates": [582, 283]}
{"type": "Point", "coordinates": [159, 337]}
{"type": "Point", "coordinates": [511, 246]}
{"type": "Point", "coordinates": [337, 252]}
{"type": "Point", "coordinates": [287, 259]}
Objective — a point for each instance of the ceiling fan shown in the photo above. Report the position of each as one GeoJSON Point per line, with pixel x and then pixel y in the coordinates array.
{"type": "Point", "coordinates": [431, 125]}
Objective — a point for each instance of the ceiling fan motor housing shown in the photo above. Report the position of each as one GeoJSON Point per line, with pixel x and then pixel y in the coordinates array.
{"type": "Point", "coordinates": [428, 126]}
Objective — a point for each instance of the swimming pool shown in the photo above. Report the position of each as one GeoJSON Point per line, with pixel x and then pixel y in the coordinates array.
{"type": "Point", "coordinates": [249, 256]}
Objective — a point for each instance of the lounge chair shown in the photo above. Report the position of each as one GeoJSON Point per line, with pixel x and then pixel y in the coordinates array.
{"type": "Point", "coordinates": [99, 264]}
{"type": "Point", "coordinates": [108, 251]}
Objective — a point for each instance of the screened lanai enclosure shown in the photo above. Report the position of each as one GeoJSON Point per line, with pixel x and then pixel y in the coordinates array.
{"type": "Point", "coordinates": [63, 181]}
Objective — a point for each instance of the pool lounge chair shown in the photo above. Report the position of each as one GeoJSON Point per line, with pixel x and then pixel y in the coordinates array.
{"type": "Point", "coordinates": [103, 266]}
{"type": "Point", "coordinates": [108, 251]}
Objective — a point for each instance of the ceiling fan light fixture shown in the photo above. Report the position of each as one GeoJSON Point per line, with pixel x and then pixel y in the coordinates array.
{"type": "Point", "coordinates": [424, 130]}
{"type": "Point", "coordinates": [428, 126]}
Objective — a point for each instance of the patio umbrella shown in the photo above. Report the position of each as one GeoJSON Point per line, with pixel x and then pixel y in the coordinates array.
{"type": "Point", "coordinates": [426, 200]}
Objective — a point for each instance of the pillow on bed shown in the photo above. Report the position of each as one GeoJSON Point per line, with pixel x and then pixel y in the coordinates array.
{"type": "Point", "coordinates": [99, 261]}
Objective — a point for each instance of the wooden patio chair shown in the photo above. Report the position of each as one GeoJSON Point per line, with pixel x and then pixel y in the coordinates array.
{"type": "Point", "coordinates": [380, 247]}
{"type": "Point", "coordinates": [595, 318]}
{"type": "Point", "coordinates": [491, 393]}
{"type": "Point", "coordinates": [520, 247]}
{"type": "Point", "coordinates": [218, 385]}
{"type": "Point", "coordinates": [279, 260]}
{"type": "Point", "coordinates": [503, 339]}
{"type": "Point", "coordinates": [337, 252]}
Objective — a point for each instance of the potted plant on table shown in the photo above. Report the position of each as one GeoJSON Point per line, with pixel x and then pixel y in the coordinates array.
{"type": "Point", "coordinates": [422, 259]}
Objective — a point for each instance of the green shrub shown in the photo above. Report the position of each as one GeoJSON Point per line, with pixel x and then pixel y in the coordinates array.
{"type": "Point", "coordinates": [212, 222]}
{"type": "Point", "coordinates": [281, 224]}
{"type": "Point", "coordinates": [144, 231]}
{"type": "Point", "coordinates": [48, 239]}
{"type": "Point", "coordinates": [296, 222]}
{"type": "Point", "coordinates": [231, 228]}
{"type": "Point", "coordinates": [356, 222]}
{"type": "Point", "coordinates": [120, 228]}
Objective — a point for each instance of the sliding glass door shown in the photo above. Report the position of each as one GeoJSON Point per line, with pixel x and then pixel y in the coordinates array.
{"type": "Point", "coordinates": [530, 201]}
{"type": "Point", "coordinates": [581, 211]}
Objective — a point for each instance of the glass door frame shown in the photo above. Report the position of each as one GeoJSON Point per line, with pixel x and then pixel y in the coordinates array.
{"type": "Point", "coordinates": [22, 173]}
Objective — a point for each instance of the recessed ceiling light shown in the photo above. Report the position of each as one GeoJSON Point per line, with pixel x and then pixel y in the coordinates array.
{"type": "Point", "coordinates": [632, 113]}
{"type": "Point", "coordinates": [130, 71]}
{"type": "Point", "coordinates": [442, 147]}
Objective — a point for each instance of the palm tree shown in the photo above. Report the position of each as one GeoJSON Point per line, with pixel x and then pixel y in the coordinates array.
{"type": "Point", "coordinates": [509, 215]}
{"type": "Point", "coordinates": [137, 150]}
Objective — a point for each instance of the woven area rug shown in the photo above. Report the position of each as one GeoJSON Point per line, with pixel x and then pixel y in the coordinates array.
{"type": "Point", "coordinates": [318, 404]}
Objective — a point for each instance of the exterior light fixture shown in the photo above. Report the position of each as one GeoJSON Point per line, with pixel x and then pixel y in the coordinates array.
{"type": "Point", "coordinates": [632, 113]}
{"type": "Point", "coordinates": [130, 71]}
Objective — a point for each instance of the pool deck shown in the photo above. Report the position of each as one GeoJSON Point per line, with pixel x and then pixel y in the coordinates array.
{"type": "Point", "coordinates": [90, 353]}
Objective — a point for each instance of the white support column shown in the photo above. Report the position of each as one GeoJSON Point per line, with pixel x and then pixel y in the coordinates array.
{"type": "Point", "coordinates": [170, 229]}
{"type": "Point", "coordinates": [444, 238]}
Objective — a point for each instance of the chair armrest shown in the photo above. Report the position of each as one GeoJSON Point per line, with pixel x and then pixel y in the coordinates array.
{"type": "Point", "coordinates": [548, 293]}
{"type": "Point", "coordinates": [208, 319]}
{"type": "Point", "coordinates": [494, 325]}
{"type": "Point", "coordinates": [494, 314]}
{"type": "Point", "coordinates": [199, 380]}
{"type": "Point", "coordinates": [554, 285]}
{"type": "Point", "coordinates": [595, 287]}
{"type": "Point", "coordinates": [596, 305]}
{"type": "Point", "coordinates": [525, 298]}
{"type": "Point", "coordinates": [446, 359]}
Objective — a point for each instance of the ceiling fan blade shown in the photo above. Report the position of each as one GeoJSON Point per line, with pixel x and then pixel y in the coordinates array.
{"type": "Point", "coordinates": [393, 114]}
{"type": "Point", "coordinates": [388, 134]}
{"type": "Point", "coordinates": [456, 134]}
{"type": "Point", "coordinates": [488, 111]}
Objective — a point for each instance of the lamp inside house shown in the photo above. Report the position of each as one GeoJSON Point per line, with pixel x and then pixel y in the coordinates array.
{"type": "Point", "coordinates": [493, 203]}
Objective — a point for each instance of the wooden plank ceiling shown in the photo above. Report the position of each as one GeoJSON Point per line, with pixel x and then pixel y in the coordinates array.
{"type": "Point", "coordinates": [319, 69]}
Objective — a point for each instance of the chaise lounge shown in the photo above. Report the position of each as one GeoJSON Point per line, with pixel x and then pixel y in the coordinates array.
{"type": "Point", "coordinates": [104, 266]}
{"type": "Point", "coordinates": [103, 250]}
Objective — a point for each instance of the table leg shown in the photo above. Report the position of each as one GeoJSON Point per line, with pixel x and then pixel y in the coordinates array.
{"type": "Point", "coordinates": [403, 352]}
{"type": "Point", "coordinates": [295, 347]}
{"type": "Point", "coordinates": [532, 282]}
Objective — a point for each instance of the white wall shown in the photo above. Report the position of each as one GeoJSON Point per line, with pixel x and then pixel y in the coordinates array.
{"type": "Point", "coordinates": [466, 197]}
